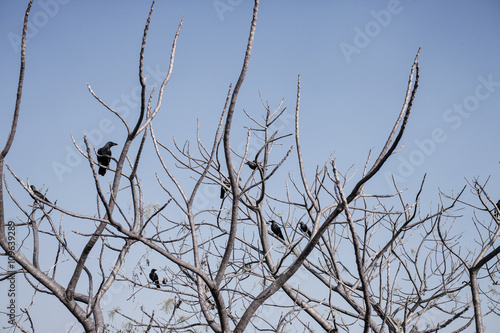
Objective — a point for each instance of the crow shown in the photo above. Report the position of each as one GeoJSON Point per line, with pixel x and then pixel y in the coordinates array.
{"type": "Point", "coordinates": [276, 229]}
{"type": "Point", "coordinates": [305, 229]}
{"type": "Point", "coordinates": [38, 195]}
{"type": "Point", "coordinates": [104, 157]}
{"type": "Point", "coordinates": [154, 277]}
{"type": "Point", "coordinates": [251, 164]}
{"type": "Point", "coordinates": [223, 188]}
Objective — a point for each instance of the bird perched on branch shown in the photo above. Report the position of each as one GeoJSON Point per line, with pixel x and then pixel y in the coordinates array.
{"type": "Point", "coordinates": [305, 229]}
{"type": "Point", "coordinates": [38, 195]}
{"type": "Point", "coordinates": [104, 157]}
{"type": "Point", "coordinates": [223, 188]}
{"type": "Point", "coordinates": [276, 229]}
{"type": "Point", "coordinates": [154, 277]}
{"type": "Point", "coordinates": [251, 164]}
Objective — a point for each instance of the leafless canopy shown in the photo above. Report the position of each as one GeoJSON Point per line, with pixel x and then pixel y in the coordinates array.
{"type": "Point", "coordinates": [336, 258]}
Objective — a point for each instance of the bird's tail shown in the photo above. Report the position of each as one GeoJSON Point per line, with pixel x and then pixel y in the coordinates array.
{"type": "Point", "coordinates": [102, 171]}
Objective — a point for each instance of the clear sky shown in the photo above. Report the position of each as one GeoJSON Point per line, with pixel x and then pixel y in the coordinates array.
{"type": "Point", "coordinates": [353, 57]}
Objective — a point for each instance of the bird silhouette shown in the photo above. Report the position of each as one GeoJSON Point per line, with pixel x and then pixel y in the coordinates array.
{"type": "Point", "coordinates": [305, 229]}
{"type": "Point", "coordinates": [154, 277]}
{"type": "Point", "coordinates": [38, 195]}
{"type": "Point", "coordinates": [104, 156]}
{"type": "Point", "coordinates": [251, 164]}
{"type": "Point", "coordinates": [276, 229]}
{"type": "Point", "coordinates": [223, 188]}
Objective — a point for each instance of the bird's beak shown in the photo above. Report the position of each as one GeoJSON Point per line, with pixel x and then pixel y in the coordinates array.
{"type": "Point", "coordinates": [114, 144]}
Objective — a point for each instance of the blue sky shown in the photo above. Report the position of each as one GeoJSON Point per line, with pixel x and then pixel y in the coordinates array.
{"type": "Point", "coordinates": [354, 59]}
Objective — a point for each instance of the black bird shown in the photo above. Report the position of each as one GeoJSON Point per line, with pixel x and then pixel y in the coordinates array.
{"type": "Point", "coordinates": [38, 194]}
{"type": "Point", "coordinates": [498, 206]}
{"type": "Point", "coordinates": [305, 229]}
{"type": "Point", "coordinates": [251, 164]}
{"type": "Point", "coordinates": [154, 277]}
{"type": "Point", "coordinates": [104, 156]}
{"type": "Point", "coordinates": [223, 189]}
{"type": "Point", "coordinates": [276, 229]}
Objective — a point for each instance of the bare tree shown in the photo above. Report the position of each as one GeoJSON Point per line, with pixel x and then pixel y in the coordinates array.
{"type": "Point", "coordinates": [336, 256]}
{"type": "Point", "coordinates": [481, 263]}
